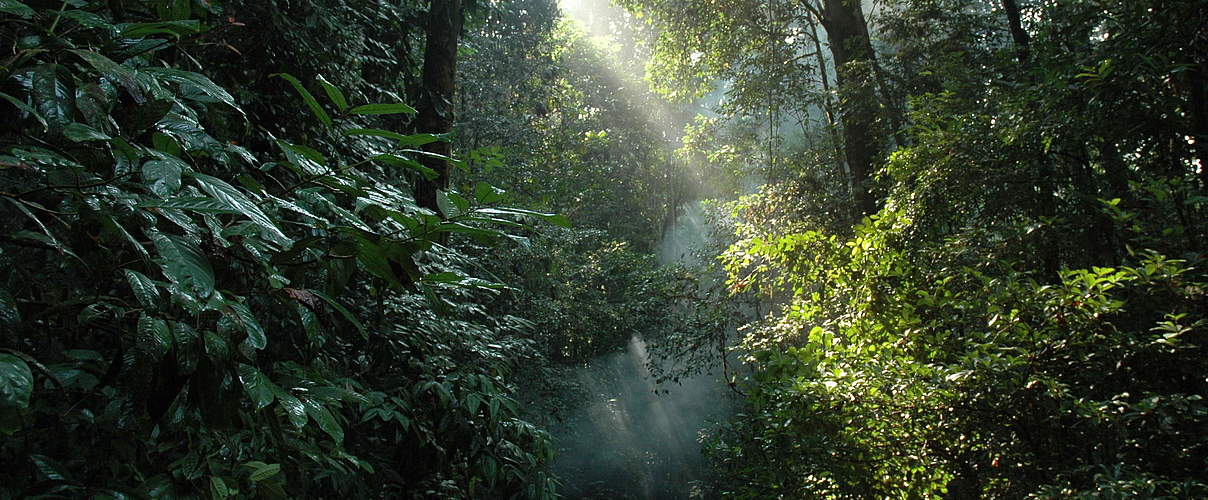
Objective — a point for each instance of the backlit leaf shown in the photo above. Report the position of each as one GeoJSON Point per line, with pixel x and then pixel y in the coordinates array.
{"type": "Point", "coordinates": [382, 109]}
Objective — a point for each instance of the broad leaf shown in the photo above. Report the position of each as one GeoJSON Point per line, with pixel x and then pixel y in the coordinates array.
{"type": "Point", "coordinates": [154, 336]}
{"type": "Point", "coordinates": [53, 95]}
{"type": "Point", "coordinates": [322, 416]}
{"type": "Point", "coordinates": [256, 337]}
{"type": "Point", "coordinates": [162, 177]}
{"type": "Point", "coordinates": [144, 289]}
{"type": "Point", "coordinates": [184, 263]}
{"type": "Point", "coordinates": [16, 382]}
{"type": "Point", "coordinates": [204, 84]}
{"type": "Point", "coordinates": [227, 194]}
{"type": "Point", "coordinates": [257, 385]}
{"type": "Point", "coordinates": [21, 105]}
{"type": "Point", "coordinates": [16, 8]}
{"type": "Point", "coordinates": [78, 132]}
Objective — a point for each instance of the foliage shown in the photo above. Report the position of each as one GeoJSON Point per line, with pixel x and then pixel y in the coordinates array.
{"type": "Point", "coordinates": [186, 318]}
{"type": "Point", "coordinates": [1025, 316]}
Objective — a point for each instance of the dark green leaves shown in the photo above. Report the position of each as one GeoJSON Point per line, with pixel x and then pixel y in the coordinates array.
{"type": "Point", "coordinates": [16, 382]}
{"type": "Point", "coordinates": [407, 163]}
{"type": "Point", "coordinates": [114, 72]}
{"type": "Point", "coordinates": [163, 176]}
{"type": "Point", "coordinates": [235, 200]}
{"type": "Point", "coordinates": [16, 8]}
{"type": "Point", "coordinates": [154, 336]}
{"type": "Point", "coordinates": [205, 85]}
{"type": "Point", "coordinates": [78, 132]}
{"type": "Point", "coordinates": [322, 416]}
{"type": "Point", "coordinates": [256, 337]}
{"type": "Point", "coordinates": [333, 93]}
{"type": "Point", "coordinates": [257, 385]}
{"type": "Point", "coordinates": [262, 471]}
{"type": "Point", "coordinates": [54, 95]}
{"type": "Point", "coordinates": [184, 263]}
{"type": "Point", "coordinates": [144, 289]}
{"type": "Point", "coordinates": [307, 98]}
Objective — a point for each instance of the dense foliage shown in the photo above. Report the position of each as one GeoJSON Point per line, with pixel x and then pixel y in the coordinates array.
{"type": "Point", "coordinates": [966, 238]}
{"type": "Point", "coordinates": [188, 316]}
{"type": "Point", "coordinates": [1024, 314]}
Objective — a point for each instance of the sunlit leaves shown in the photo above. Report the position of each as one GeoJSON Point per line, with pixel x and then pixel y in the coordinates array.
{"type": "Point", "coordinates": [382, 109]}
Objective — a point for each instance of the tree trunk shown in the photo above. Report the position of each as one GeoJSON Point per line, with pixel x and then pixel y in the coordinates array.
{"type": "Point", "coordinates": [435, 104]}
{"type": "Point", "coordinates": [853, 55]}
{"type": "Point", "coordinates": [1017, 33]}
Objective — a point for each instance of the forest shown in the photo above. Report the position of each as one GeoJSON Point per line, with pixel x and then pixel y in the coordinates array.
{"type": "Point", "coordinates": [638, 249]}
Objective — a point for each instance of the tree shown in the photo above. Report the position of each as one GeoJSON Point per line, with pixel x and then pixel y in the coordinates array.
{"type": "Point", "coordinates": [436, 110]}
{"type": "Point", "coordinates": [855, 61]}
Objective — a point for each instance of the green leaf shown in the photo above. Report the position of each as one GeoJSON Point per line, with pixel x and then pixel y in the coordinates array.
{"type": "Point", "coordinates": [333, 93]}
{"type": "Point", "coordinates": [255, 333]}
{"type": "Point", "coordinates": [218, 488]}
{"type": "Point", "coordinates": [412, 140]}
{"type": "Point", "coordinates": [446, 205]}
{"type": "Point", "coordinates": [257, 385]}
{"type": "Point", "coordinates": [21, 105]}
{"type": "Point", "coordinates": [78, 132]}
{"type": "Point", "coordinates": [399, 161]}
{"type": "Point", "coordinates": [262, 471]}
{"type": "Point", "coordinates": [486, 194]}
{"type": "Point", "coordinates": [162, 177]}
{"type": "Point", "coordinates": [184, 263]}
{"type": "Point", "coordinates": [207, 86]}
{"type": "Point", "coordinates": [144, 288]}
{"type": "Point", "coordinates": [555, 219]}
{"type": "Point", "coordinates": [154, 336]}
{"type": "Point", "coordinates": [16, 382]}
{"type": "Point", "coordinates": [114, 72]}
{"type": "Point", "coordinates": [89, 20]}
{"type": "Point", "coordinates": [199, 204]}
{"type": "Point", "coordinates": [382, 109]}
{"type": "Point", "coordinates": [53, 95]}
{"type": "Point", "coordinates": [227, 194]}
{"type": "Point", "coordinates": [216, 346]}
{"type": "Point", "coordinates": [293, 407]}
{"type": "Point", "coordinates": [374, 132]}
{"type": "Point", "coordinates": [15, 8]}
{"type": "Point", "coordinates": [322, 416]}
{"type": "Point", "coordinates": [307, 98]}
{"type": "Point", "coordinates": [174, 28]}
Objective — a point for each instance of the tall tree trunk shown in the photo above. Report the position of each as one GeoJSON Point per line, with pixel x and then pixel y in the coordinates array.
{"type": "Point", "coordinates": [435, 104]}
{"type": "Point", "coordinates": [1017, 33]}
{"type": "Point", "coordinates": [853, 55]}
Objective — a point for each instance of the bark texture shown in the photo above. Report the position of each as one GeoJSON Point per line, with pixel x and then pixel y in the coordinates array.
{"type": "Point", "coordinates": [435, 104]}
{"type": "Point", "coordinates": [854, 59]}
